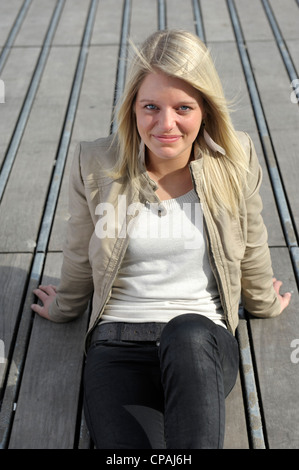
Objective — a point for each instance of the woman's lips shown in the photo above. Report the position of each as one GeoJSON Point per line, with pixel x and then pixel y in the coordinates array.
{"type": "Point", "coordinates": [167, 138]}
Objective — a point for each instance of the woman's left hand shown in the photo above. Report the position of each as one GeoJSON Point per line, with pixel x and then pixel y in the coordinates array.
{"type": "Point", "coordinates": [283, 298]}
{"type": "Point", "coordinates": [46, 294]}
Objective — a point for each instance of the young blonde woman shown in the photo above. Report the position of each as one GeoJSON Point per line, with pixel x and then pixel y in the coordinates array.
{"type": "Point", "coordinates": [166, 233]}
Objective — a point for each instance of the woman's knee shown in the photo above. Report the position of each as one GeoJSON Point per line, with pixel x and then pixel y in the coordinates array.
{"type": "Point", "coordinates": [188, 328]}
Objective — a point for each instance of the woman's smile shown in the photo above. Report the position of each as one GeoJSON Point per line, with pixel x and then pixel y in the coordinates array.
{"type": "Point", "coordinates": [167, 138]}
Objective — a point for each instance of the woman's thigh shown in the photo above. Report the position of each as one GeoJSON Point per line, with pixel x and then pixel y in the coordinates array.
{"type": "Point", "coordinates": [199, 364]}
{"type": "Point", "coordinates": [123, 397]}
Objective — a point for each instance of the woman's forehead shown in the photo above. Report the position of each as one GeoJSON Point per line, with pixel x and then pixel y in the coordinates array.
{"type": "Point", "coordinates": [156, 84]}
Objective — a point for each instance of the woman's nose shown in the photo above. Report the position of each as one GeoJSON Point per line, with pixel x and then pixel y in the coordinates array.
{"type": "Point", "coordinates": [167, 119]}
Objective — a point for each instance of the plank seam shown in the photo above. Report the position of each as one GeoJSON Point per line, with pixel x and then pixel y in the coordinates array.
{"type": "Point", "coordinates": [199, 26]}
{"type": "Point", "coordinates": [256, 429]}
{"type": "Point", "coordinates": [162, 21]}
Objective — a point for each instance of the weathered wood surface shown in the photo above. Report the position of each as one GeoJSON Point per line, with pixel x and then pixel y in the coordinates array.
{"type": "Point", "coordinates": [63, 63]}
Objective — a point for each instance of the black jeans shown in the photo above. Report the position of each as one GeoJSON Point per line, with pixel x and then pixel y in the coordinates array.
{"type": "Point", "coordinates": [141, 395]}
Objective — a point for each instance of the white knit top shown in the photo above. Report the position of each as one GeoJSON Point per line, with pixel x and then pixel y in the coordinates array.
{"type": "Point", "coordinates": [166, 271]}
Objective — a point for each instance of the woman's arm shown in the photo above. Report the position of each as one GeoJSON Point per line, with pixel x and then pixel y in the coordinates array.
{"type": "Point", "coordinates": [74, 291]}
{"type": "Point", "coordinates": [260, 292]}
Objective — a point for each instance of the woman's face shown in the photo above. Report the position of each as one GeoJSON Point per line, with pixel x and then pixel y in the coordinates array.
{"type": "Point", "coordinates": [169, 114]}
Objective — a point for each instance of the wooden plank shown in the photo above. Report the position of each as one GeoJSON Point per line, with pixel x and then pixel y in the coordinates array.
{"type": "Point", "coordinates": [236, 436]}
{"type": "Point", "coordinates": [16, 87]}
{"type": "Point", "coordinates": [14, 269]}
{"type": "Point", "coordinates": [34, 28]}
{"type": "Point", "coordinates": [270, 212]}
{"type": "Point", "coordinates": [287, 14]}
{"type": "Point", "coordinates": [227, 62]}
{"type": "Point", "coordinates": [95, 107]}
{"type": "Point", "coordinates": [275, 94]}
{"type": "Point", "coordinates": [71, 25]}
{"type": "Point", "coordinates": [263, 120]}
{"type": "Point", "coordinates": [255, 25]}
{"type": "Point", "coordinates": [49, 398]}
{"type": "Point", "coordinates": [97, 93]}
{"type": "Point", "coordinates": [287, 148]}
{"type": "Point", "coordinates": [278, 375]}
{"type": "Point", "coordinates": [229, 68]}
{"type": "Point", "coordinates": [107, 23]}
{"type": "Point", "coordinates": [180, 15]}
{"type": "Point", "coordinates": [95, 103]}
{"type": "Point", "coordinates": [8, 14]}
{"type": "Point", "coordinates": [281, 114]}
{"type": "Point", "coordinates": [144, 20]}
{"type": "Point", "coordinates": [37, 154]}
{"type": "Point", "coordinates": [217, 25]}
{"type": "Point", "coordinates": [231, 73]}
{"type": "Point", "coordinates": [293, 48]}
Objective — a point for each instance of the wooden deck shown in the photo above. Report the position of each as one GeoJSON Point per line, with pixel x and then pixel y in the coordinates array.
{"type": "Point", "coordinates": [62, 64]}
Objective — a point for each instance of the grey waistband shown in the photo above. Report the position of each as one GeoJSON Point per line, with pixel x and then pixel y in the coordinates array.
{"type": "Point", "coordinates": [122, 331]}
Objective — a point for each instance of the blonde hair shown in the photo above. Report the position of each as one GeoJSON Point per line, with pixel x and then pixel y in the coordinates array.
{"type": "Point", "coordinates": [183, 55]}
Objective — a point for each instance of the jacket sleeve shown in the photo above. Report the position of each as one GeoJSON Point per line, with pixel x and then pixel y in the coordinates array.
{"type": "Point", "coordinates": [76, 284]}
{"type": "Point", "coordinates": [258, 295]}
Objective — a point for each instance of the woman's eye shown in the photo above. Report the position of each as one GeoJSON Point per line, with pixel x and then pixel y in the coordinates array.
{"type": "Point", "coordinates": [184, 108]}
{"type": "Point", "coordinates": [150, 106]}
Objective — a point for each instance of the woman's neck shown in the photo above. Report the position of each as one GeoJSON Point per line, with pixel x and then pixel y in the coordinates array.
{"type": "Point", "coordinates": [173, 178]}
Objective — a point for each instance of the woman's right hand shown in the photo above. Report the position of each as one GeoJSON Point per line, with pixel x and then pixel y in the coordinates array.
{"type": "Point", "coordinates": [46, 294]}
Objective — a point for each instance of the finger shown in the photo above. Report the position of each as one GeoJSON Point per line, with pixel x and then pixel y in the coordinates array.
{"type": "Point", "coordinates": [277, 285]}
{"type": "Point", "coordinates": [287, 297]}
{"type": "Point", "coordinates": [43, 296]}
{"type": "Point", "coordinates": [49, 289]}
{"type": "Point", "coordinates": [36, 308]}
{"type": "Point", "coordinates": [285, 300]}
{"type": "Point", "coordinates": [40, 311]}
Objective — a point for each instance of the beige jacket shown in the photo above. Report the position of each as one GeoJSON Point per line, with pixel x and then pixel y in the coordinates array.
{"type": "Point", "coordinates": [238, 249]}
